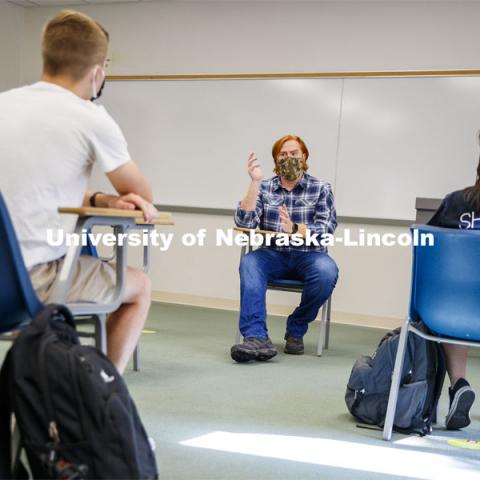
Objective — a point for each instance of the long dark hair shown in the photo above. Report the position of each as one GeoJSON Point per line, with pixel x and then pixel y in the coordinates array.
{"type": "Point", "coordinates": [472, 194]}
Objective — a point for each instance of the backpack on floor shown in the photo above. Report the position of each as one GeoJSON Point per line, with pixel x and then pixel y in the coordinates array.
{"type": "Point", "coordinates": [421, 383]}
{"type": "Point", "coordinates": [74, 414]}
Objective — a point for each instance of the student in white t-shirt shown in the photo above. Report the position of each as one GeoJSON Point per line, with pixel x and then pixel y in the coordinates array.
{"type": "Point", "coordinates": [51, 134]}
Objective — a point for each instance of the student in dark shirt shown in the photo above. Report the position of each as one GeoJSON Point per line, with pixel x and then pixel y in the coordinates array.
{"type": "Point", "coordinates": [460, 209]}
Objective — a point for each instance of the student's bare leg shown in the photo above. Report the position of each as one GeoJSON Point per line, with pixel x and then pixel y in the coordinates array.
{"type": "Point", "coordinates": [125, 325]}
{"type": "Point", "coordinates": [460, 393]}
{"type": "Point", "coordinates": [456, 361]}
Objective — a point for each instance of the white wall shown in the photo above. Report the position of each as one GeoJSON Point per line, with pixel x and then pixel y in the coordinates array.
{"type": "Point", "coordinates": [11, 31]}
{"type": "Point", "coordinates": [295, 36]}
{"type": "Point", "coordinates": [260, 37]}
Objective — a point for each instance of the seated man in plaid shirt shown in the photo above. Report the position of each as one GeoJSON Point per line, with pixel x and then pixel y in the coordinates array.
{"type": "Point", "coordinates": [292, 202]}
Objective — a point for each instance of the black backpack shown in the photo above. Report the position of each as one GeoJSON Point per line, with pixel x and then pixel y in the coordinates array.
{"type": "Point", "coordinates": [75, 416]}
{"type": "Point", "coordinates": [420, 385]}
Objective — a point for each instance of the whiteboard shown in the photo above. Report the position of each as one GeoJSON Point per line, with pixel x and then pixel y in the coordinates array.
{"type": "Point", "coordinates": [403, 138]}
{"type": "Point", "coordinates": [192, 138]}
{"type": "Point", "coordinates": [381, 142]}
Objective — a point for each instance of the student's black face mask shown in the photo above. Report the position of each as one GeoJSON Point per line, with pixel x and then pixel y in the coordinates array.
{"type": "Point", "coordinates": [99, 94]}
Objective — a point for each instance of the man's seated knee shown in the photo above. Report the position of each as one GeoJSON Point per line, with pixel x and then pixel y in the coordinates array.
{"type": "Point", "coordinates": [323, 270]}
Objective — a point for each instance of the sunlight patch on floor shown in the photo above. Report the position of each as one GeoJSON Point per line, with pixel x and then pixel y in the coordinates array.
{"type": "Point", "coordinates": [341, 454]}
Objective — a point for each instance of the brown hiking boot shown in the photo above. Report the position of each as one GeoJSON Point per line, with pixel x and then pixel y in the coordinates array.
{"type": "Point", "coordinates": [252, 348]}
{"type": "Point", "coordinates": [294, 345]}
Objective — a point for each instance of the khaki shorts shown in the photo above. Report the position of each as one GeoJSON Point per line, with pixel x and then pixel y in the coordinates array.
{"type": "Point", "coordinates": [93, 280]}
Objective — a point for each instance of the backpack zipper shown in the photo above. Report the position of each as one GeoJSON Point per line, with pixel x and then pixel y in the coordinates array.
{"type": "Point", "coordinates": [73, 358]}
{"type": "Point", "coordinates": [52, 424]}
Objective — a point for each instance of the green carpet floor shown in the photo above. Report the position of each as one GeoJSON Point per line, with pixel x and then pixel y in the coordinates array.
{"type": "Point", "coordinates": [284, 419]}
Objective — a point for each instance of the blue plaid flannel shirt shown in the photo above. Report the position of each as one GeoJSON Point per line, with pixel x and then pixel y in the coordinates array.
{"type": "Point", "coordinates": [310, 202]}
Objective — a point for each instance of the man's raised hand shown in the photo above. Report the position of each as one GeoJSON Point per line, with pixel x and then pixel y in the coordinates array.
{"type": "Point", "coordinates": [254, 168]}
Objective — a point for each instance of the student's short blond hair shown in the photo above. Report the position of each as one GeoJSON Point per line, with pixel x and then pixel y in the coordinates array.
{"type": "Point", "coordinates": [72, 44]}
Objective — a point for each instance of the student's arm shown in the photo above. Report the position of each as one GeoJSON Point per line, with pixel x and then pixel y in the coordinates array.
{"type": "Point", "coordinates": [110, 151]}
{"type": "Point", "coordinates": [128, 179]}
{"type": "Point", "coordinates": [134, 191]}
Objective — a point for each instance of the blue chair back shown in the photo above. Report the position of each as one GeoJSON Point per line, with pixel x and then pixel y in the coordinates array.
{"type": "Point", "coordinates": [18, 301]}
{"type": "Point", "coordinates": [89, 250]}
{"type": "Point", "coordinates": [445, 291]}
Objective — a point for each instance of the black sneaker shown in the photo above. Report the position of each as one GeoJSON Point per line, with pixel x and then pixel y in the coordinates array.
{"type": "Point", "coordinates": [461, 400]}
{"type": "Point", "coordinates": [294, 345]}
{"type": "Point", "coordinates": [253, 348]}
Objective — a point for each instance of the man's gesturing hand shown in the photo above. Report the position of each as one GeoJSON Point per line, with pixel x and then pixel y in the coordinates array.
{"type": "Point", "coordinates": [285, 221]}
{"type": "Point", "coordinates": [254, 168]}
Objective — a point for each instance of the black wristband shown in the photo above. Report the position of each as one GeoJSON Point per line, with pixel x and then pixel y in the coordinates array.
{"type": "Point", "coordinates": [295, 228]}
{"type": "Point", "coordinates": [93, 202]}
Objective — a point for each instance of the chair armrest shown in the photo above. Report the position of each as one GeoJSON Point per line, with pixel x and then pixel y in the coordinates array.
{"type": "Point", "coordinates": [155, 221]}
{"type": "Point", "coordinates": [263, 232]}
{"type": "Point", "coordinates": [249, 248]}
{"type": "Point", "coordinates": [109, 212]}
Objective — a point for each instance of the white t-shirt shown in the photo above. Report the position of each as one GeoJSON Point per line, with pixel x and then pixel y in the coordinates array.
{"type": "Point", "coordinates": [49, 140]}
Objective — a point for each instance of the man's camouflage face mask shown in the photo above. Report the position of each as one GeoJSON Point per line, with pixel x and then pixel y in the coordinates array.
{"type": "Point", "coordinates": [289, 168]}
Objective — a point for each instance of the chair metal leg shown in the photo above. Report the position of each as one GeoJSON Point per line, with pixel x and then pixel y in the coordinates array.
{"type": "Point", "coordinates": [136, 358]}
{"type": "Point", "coordinates": [329, 314]}
{"type": "Point", "coordinates": [395, 386]}
{"type": "Point", "coordinates": [101, 332]}
{"type": "Point", "coordinates": [323, 330]}
{"type": "Point", "coordinates": [136, 352]}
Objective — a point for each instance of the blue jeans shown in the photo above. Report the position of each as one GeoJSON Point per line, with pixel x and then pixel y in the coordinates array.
{"type": "Point", "coordinates": [316, 270]}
